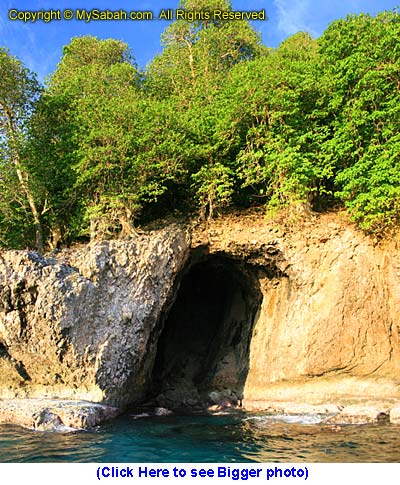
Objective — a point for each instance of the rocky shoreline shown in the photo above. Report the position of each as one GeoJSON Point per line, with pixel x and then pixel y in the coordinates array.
{"type": "Point", "coordinates": [354, 411]}
{"type": "Point", "coordinates": [63, 415]}
{"type": "Point", "coordinates": [53, 414]}
{"type": "Point", "coordinates": [186, 316]}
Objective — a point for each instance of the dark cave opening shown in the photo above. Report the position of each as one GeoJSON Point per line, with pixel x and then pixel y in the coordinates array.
{"type": "Point", "coordinates": [203, 351]}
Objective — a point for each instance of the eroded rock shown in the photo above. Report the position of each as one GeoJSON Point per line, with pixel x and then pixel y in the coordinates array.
{"type": "Point", "coordinates": [308, 314]}
{"type": "Point", "coordinates": [54, 415]}
{"type": "Point", "coordinates": [84, 326]}
{"type": "Point", "coordinates": [360, 414]}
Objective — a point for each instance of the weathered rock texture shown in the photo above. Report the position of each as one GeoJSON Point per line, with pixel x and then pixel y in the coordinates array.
{"type": "Point", "coordinates": [83, 326]}
{"type": "Point", "coordinates": [54, 415]}
{"type": "Point", "coordinates": [328, 323]}
{"type": "Point", "coordinates": [241, 309]}
{"type": "Point", "coordinates": [356, 414]}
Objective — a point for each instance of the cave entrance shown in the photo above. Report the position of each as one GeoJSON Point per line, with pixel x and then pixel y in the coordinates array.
{"type": "Point", "coordinates": [203, 351]}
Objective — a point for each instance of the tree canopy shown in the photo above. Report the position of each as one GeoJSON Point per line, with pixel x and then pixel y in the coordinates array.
{"type": "Point", "coordinates": [215, 122]}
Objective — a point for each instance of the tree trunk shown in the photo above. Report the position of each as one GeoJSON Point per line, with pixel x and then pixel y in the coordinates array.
{"type": "Point", "coordinates": [23, 179]}
{"type": "Point", "coordinates": [191, 60]}
{"type": "Point", "coordinates": [55, 237]}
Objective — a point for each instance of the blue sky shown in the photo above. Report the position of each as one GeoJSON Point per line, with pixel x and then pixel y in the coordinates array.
{"type": "Point", "coordinates": [39, 45]}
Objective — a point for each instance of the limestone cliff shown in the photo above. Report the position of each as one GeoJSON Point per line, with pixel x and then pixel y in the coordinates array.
{"type": "Point", "coordinates": [83, 326]}
{"type": "Point", "coordinates": [241, 309]}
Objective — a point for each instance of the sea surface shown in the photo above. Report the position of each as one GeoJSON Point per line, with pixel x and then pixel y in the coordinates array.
{"type": "Point", "coordinates": [234, 437]}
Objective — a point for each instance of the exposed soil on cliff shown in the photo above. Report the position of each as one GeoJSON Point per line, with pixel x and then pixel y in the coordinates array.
{"type": "Point", "coordinates": [254, 226]}
{"type": "Point", "coordinates": [300, 228]}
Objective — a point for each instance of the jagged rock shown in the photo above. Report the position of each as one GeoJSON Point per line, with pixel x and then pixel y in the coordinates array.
{"type": "Point", "coordinates": [263, 313]}
{"type": "Point", "coordinates": [162, 412]}
{"type": "Point", "coordinates": [51, 415]}
{"type": "Point", "coordinates": [45, 420]}
{"type": "Point", "coordinates": [84, 326]}
{"type": "Point", "coordinates": [359, 414]}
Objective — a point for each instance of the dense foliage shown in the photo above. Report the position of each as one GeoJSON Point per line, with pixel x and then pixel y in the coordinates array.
{"type": "Point", "coordinates": [217, 120]}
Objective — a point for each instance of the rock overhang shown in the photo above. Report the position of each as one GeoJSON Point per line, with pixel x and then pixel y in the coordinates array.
{"type": "Point", "coordinates": [87, 324]}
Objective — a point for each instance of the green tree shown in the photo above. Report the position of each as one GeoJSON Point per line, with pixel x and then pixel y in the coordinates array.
{"type": "Point", "coordinates": [196, 60]}
{"type": "Point", "coordinates": [216, 119]}
{"type": "Point", "coordinates": [49, 158]}
{"type": "Point", "coordinates": [197, 54]}
{"type": "Point", "coordinates": [19, 91]}
{"type": "Point", "coordinates": [360, 61]}
{"type": "Point", "coordinates": [125, 147]}
{"type": "Point", "coordinates": [274, 124]}
{"type": "Point", "coordinates": [98, 83]}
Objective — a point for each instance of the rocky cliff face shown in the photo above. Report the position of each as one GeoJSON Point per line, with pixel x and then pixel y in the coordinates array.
{"type": "Point", "coordinates": [83, 326]}
{"type": "Point", "coordinates": [238, 310]}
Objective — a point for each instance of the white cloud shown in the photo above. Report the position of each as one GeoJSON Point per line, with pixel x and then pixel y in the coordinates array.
{"type": "Point", "coordinates": [293, 16]}
{"type": "Point", "coordinates": [314, 16]}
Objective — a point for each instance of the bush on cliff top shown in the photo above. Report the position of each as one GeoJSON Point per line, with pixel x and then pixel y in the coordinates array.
{"type": "Point", "coordinates": [217, 120]}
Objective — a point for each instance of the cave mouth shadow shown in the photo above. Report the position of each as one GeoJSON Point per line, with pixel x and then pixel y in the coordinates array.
{"type": "Point", "coordinates": [203, 351]}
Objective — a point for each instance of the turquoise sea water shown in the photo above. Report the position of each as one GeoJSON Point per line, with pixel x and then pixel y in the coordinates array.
{"type": "Point", "coordinates": [226, 438]}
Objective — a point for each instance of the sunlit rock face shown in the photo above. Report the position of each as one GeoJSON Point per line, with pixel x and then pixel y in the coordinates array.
{"type": "Point", "coordinates": [327, 327]}
{"type": "Point", "coordinates": [83, 325]}
{"type": "Point", "coordinates": [235, 311]}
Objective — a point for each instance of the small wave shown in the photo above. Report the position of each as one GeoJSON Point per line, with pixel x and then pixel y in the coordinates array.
{"type": "Point", "coordinates": [58, 428]}
{"type": "Point", "coordinates": [288, 418]}
{"type": "Point", "coordinates": [61, 428]}
{"type": "Point", "coordinates": [140, 416]}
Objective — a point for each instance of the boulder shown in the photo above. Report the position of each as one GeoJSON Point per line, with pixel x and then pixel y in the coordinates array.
{"type": "Point", "coordinates": [359, 414]}
{"type": "Point", "coordinates": [54, 415]}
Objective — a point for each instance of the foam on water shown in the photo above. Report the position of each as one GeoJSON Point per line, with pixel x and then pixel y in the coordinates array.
{"type": "Point", "coordinates": [289, 418]}
{"type": "Point", "coordinates": [231, 438]}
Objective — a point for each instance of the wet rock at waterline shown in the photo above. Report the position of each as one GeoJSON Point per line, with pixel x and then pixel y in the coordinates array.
{"type": "Point", "coordinates": [360, 414]}
{"type": "Point", "coordinates": [54, 415]}
{"type": "Point", "coordinates": [239, 310]}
